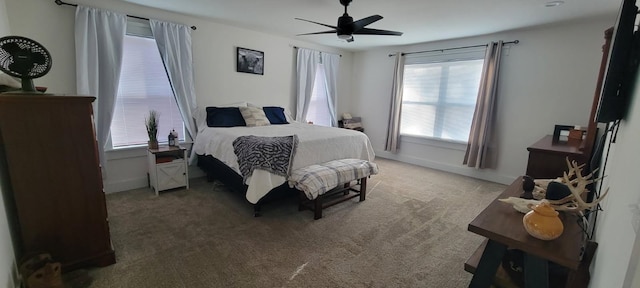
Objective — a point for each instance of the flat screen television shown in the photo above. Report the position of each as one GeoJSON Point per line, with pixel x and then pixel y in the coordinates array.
{"type": "Point", "coordinates": [622, 66]}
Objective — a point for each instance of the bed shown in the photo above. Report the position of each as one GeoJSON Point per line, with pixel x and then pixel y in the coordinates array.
{"type": "Point", "coordinates": [315, 145]}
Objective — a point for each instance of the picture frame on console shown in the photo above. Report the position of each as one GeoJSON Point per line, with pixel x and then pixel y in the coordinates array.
{"type": "Point", "coordinates": [561, 133]}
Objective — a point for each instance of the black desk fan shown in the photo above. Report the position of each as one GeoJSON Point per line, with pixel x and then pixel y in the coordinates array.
{"type": "Point", "coordinates": [24, 58]}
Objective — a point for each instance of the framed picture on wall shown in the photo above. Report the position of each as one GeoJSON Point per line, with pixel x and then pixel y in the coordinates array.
{"type": "Point", "coordinates": [250, 61]}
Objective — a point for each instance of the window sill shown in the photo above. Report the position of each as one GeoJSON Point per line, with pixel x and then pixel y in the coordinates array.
{"type": "Point", "coordinates": [125, 148]}
{"type": "Point", "coordinates": [134, 151]}
{"type": "Point", "coordinates": [436, 142]}
{"type": "Point", "coordinates": [125, 152]}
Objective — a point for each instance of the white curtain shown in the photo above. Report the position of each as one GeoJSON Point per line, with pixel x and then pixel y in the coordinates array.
{"type": "Point", "coordinates": [481, 147]}
{"type": "Point", "coordinates": [174, 43]}
{"type": "Point", "coordinates": [393, 130]}
{"type": "Point", "coordinates": [307, 64]}
{"type": "Point", "coordinates": [331, 63]}
{"type": "Point", "coordinates": [99, 37]}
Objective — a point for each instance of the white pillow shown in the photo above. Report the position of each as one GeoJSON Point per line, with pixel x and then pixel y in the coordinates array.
{"type": "Point", "coordinates": [200, 114]}
{"type": "Point", "coordinates": [254, 116]}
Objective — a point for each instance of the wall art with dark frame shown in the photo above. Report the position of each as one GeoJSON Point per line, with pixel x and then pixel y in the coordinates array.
{"type": "Point", "coordinates": [249, 61]}
{"type": "Point", "coordinates": [561, 133]}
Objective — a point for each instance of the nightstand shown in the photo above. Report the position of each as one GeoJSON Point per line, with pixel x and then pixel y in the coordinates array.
{"type": "Point", "coordinates": [353, 127]}
{"type": "Point", "coordinates": [168, 168]}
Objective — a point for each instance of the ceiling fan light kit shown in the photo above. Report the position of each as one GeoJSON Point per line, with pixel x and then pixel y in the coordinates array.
{"type": "Point", "coordinates": [346, 27]}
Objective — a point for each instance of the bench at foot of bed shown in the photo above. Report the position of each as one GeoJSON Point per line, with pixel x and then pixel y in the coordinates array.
{"type": "Point", "coordinates": [333, 197]}
{"type": "Point", "coordinates": [330, 183]}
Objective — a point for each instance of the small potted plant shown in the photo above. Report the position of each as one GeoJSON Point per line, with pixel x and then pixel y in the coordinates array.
{"type": "Point", "coordinates": [152, 128]}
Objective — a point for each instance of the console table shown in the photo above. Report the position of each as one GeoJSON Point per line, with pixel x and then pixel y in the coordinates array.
{"type": "Point", "coordinates": [502, 225]}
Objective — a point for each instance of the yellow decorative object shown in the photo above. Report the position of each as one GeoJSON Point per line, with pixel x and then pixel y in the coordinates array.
{"type": "Point", "coordinates": [543, 222]}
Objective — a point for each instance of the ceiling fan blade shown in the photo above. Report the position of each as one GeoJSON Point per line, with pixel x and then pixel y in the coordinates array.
{"type": "Point", "coordinates": [325, 25]}
{"type": "Point", "coordinates": [357, 25]}
{"type": "Point", "coordinates": [369, 31]}
{"type": "Point", "coordinates": [323, 32]}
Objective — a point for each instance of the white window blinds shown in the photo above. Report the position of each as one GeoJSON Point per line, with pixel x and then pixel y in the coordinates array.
{"type": "Point", "coordinates": [439, 95]}
{"type": "Point", "coordinates": [144, 86]}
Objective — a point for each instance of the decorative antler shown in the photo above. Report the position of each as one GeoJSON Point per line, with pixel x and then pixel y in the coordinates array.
{"type": "Point", "coordinates": [577, 207]}
{"type": "Point", "coordinates": [577, 185]}
{"type": "Point", "coordinates": [573, 167]}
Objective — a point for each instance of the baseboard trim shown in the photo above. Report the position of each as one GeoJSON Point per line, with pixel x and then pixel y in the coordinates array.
{"type": "Point", "coordinates": [126, 184]}
{"type": "Point", "coordinates": [485, 174]}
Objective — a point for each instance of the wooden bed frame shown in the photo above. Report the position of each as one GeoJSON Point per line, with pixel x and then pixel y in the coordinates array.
{"type": "Point", "coordinates": [216, 170]}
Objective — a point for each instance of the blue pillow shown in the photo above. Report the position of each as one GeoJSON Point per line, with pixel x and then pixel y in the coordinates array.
{"type": "Point", "coordinates": [224, 117]}
{"type": "Point", "coordinates": [275, 115]}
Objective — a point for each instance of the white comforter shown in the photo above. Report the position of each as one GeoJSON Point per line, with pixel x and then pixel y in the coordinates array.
{"type": "Point", "coordinates": [317, 144]}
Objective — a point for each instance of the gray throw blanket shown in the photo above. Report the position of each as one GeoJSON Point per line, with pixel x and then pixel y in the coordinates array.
{"type": "Point", "coordinates": [272, 154]}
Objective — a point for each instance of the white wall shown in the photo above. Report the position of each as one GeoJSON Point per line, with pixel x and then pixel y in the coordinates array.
{"type": "Point", "coordinates": [216, 79]}
{"type": "Point", "coordinates": [7, 259]}
{"type": "Point", "coordinates": [547, 79]}
{"type": "Point", "coordinates": [618, 254]}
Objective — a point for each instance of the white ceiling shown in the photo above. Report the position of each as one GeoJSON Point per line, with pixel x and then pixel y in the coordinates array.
{"type": "Point", "coordinates": [420, 20]}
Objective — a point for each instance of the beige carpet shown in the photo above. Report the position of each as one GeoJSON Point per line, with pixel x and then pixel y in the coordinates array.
{"type": "Point", "coordinates": [410, 232]}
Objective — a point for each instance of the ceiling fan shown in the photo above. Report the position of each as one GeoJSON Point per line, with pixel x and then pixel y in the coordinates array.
{"type": "Point", "coordinates": [346, 27]}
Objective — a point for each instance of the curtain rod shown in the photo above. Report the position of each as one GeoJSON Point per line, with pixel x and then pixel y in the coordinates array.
{"type": "Point", "coordinates": [296, 47]}
{"type": "Point", "coordinates": [59, 2]}
{"type": "Point", "coordinates": [454, 48]}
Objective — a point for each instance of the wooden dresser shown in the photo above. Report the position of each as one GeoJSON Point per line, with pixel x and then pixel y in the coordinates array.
{"type": "Point", "coordinates": [547, 160]}
{"type": "Point", "coordinates": [55, 180]}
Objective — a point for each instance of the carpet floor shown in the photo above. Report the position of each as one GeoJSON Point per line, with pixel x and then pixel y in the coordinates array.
{"type": "Point", "coordinates": [410, 232]}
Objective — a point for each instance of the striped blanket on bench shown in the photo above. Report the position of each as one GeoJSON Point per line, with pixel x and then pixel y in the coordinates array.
{"type": "Point", "coordinates": [317, 179]}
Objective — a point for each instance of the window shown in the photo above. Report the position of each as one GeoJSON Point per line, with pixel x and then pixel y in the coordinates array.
{"type": "Point", "coordinates": [318, 112]}
{"type": "Point", "coordinates": [144, 85]}
{"type": "Point", "coordinates": [439, 95]}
